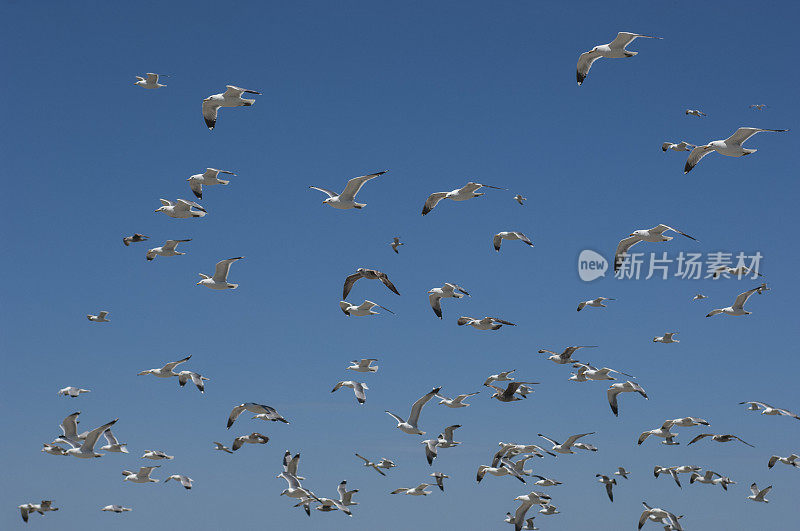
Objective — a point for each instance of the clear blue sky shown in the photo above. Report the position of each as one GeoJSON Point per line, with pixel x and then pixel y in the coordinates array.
{"type": "Point", "coordinates": [439, 93]}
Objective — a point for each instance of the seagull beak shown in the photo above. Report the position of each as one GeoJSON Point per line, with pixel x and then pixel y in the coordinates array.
{"type": "Point", "coordinates": [631, 234]}
{"type": "Point", "coordinates": [198, 283]}
{"type": "Point", "coordinates": [156, 210]}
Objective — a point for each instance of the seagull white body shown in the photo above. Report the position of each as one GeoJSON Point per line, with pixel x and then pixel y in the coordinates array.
{"type": "Point", "coordinates": [737, 308]}
{"type": "Point", "coordinates": [156, 455]}
{"type": "Point", "coordinates": [262, 411]}
{"type": "Point", "coordinates": [209, 177]}
{"type": "Point", "coordinates": [548, 510]}
{"type": "Point", "coordinates": [27, 508]}
{"type": "Point", "coordinates": [85, 450]}
{"type": "Point", "coordinates": [167, 371]}
{"type": "Point", "coordinates": [656, 514]}
{"type": "Point", "coordinates": [594, 303]}
{"type": "Point", "coordinates": [622, 472]}
{"type": "Point", "coordinates": [346, 200]}
{"type": "Point", "coordinates": [168, 249]}
{"type": "Point", "coordinates": [186, 481]}
{"type": "Point", "coordinates": [468, 191]}
{"type": "Point", "coordinates": [668, 337]}
{"type": "Point", "coordinates": [625, 387]}
{"type": "Point", "coordinates": [662, 432]}
{"type": "Point", "coordinates": [54, 449]}
{"type": "Point", "coordinates": [197, 379]}
{"type": "Point", "coordinates": [654, 235]}
{"type": "Point", "coordinates": [486, 323]}
{"type": "Point", "coordinates": [127, 240]}
{"type": "Point", "coordinates": [395, 243]}
{"type": "Point", "coordinates": [546, 482]}
{"type": "Point", "coordinates": [222, 448]}
{"type": "Point", "coordinates": [69, 431]}
{"type": "Point", "coordinates": [449, 290]}
{"type": "Point", "coordinates": [767, 409]}
{"type": "Point", "coordinates": [410, 426]}
{"type": "Point", "coordinates": [220, 278]}
{"type": "Point", "coordinates": [695, 112]}
{"type": "Point", "coordinates": [359, 389]}
{"type": "Point", "coordinates": [142, 476]}
{"type": "Point", "coordinates": [588, 372]}
{"type": "Point", "coordinates": [759, 495]}
{"type": "Point", "coordinates": [506, 469]}
{"type": "Point", "coordinates": [294, 490]}
{"type": "Point", "coordinates": [113, 444]}
{"type": "Point", "coordinates": [609, 483]}
{"type": "Point", "coordinates": [566, 446]}
{"type": "Point", "coordinates": [521, 200]}
{"type": "Point", "coordinates": [504, 376]}
{"type": "Point", "coordinates": [361, 310]}
{"type": "Point", "coordinates": [73, 391]}
{"type": "Point", "coordinates": [513, 235]}
{"type": "Point", "coordinates": [738, 272]}
{"type": "Point", "coordinates": [613, 50]}
{"type": "Point", "coordinates": [708, 479]}
{"type": "Point", "coordinates": [99, 318]}
{"type": "Point", "coordinates": [181, 209]}
{"type": "Point", "coordinates": [232, 97]}
{"type": "Point", "coordinates": [446, 438]}
{"type": "Point", "coordinates": [681, 146]}
{"type": "Point", "coordinates": [687, 422]}
{"type": "Point", "coordinates": [363, 365]}
{"type": "Point", "coordinates": [456, 402]}
{"type": "Point", "coordinates": [698, 297]}
{"type": "Point", "coordinates": [116, 509]}
{"type": "Point", "coordinates": [791, 460]}
{"type": "Point", "coordinates": [565, 356]}
{"type": "Point", "coordinates": [730, 147]}
{"type": "Point", "coordinates": [384, 463]}
{"type": "Point", "coordinates": [150, 82]}
{"type": "Point", "coordinates": [419, 490]}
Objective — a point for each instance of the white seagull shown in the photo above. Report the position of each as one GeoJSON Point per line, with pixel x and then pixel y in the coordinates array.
{"type": "Point", "coordinates": [622, 472]}
{"type": "Point", "coordinates": [662, 432]}
{"type": "Point", "coordinates": [375, 466]}
{"type": "Point", "coordinates": [142, 476]}
{"type": "Point", "coordinates": [449, 290]}
{"type": "Point", "coordinates": [500, 236]}
{"type": "Point", "coordinates": [659, 515]}
{"type": "Point", "coordinates": [69, 431]}
{"type": "Point", "coordinates": [186, 481]}
{"type": "Point", "coordinates": [588, 372]}
{"type": "Point", "coordinates": [221, 447]}
{"type": "Point", "coordinates": [456, 402]}
{"type": "Point", "coordinates": [504, 376]}
{"type": "Point", "coordinates": [357, 387]}
{"type": "Point", "coordinates": [127, 240]}
{"type": "Point", "coordinates": [116, 509]}
{"type": "Point", "coordinates": [791, 460]}
{"type": "Point", "coordinates": [735, 271]}
{"type": "Point", "coordinates": [439, 477]}
{"type": "Point", "coordinates": [54, 449]}
{"type": "Point", "coordinates": [253, 438]}
{"type": "Point", "coordinates": [232, 97]}
{"type": "Point", "coordinates": [566, 356]}
{"type": "Point", "coordinates": [361, 310]}
{"type": "Point", "coordinates": [419, 490]}
{"type": "Point", "coordinates": [346, 200]}
{"type": "Point", "coordinates": [668, 337]}
{"type": "Point", "coordinates": [370, 274]}
{"type": "Point", "coordinates": [723, 438]}
{"type": "Point", "coordinates": [395, 243]}
{"type": "Point", "coordinates": [758, 495]}
{"type": "Point", "coordinates": [156, 455]}
{"type": "Point", "coordinates": [594, 303]}
{"type": "Point", "coordinates": [168, 249]}
{"type": "Point", "coordinates": [99, 318]}
{"type": "Point", "coordinates": [609, 483]}
{"type": "Point", "coordinates": [688, 422]}
{"type": "Point", "coordinates": [181, 209]}
{"type": "Point", "coordinates": [737, 308]}
{"type": "Point", "coordinates": [698, 297]}
{"type": "Point", "coordinates": [654, 235]}
{"type": "Point", "coordinates": [209, 177]}
{"type": "Point", "coordinates": [73, 391]}
{"type": "Point", "coordinates": [487, 323]}
{"type": "Point", "coordinates": [410, 426]}
{"type": "Point", "coordinates": [262, 412]}
{"type": "Point", "coordinates": [85, 450]}
{"type": "Point", "coordinates": [566, 447]}
{"type": "Point", "coordinates": [294, 490]}
{"type": "Point", "coordinates": [220, 278]}
{"type": "Point", "coordinates": [521, 200]}
{"type": "Point", "coordinates": [730, 147]}
{"type": "Point", "coordinates": [625, 387]}
{"type": "Point", "coordinates": [150, 82]}
{"type": "Point", "coordinates": [27, 508]}
{"type": "Point", "coordinates": [769, 410]}
{"type": "Point", "coordinates": [167, 371]}
{"type": "Point", "coordinates": [695, 112]}
{"type": "Point", "coordinates": [197, 379]}
{"type": "Point", "coordinates": [468, 191]}
{"type": "Point", "coordinates": [613, 50]}
{"type": "Point", "coordinates": [113, 444]}
{"type": "Point", "coordinates": [363, 365]}
{"type": "Point", "coordinates": [681, 146]}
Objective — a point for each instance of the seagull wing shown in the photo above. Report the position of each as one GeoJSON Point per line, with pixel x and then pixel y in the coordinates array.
{"type": "Point", "coordinates": [183, 204]}
{"type": "Point", "coordinates": [222, 268]}
{"type": "Point", "coordinates": [622, 249]}
{"type": "Point", "coordinates": [694, 157]}
{"type": "Point", "coordinates": [612, 399]}
{"type": "Point", "coordinates": [235, 412]}
{"type": "Point", "coordinates": [572, 438]}
{"type": "Point", "coordinates": [110, 437]}
{"type": "Point", "coordinates": [197, 188]}
{"type": "Point", "coordinates": [210, 109]}
{"type": "Point", "coordinates": [69, 426]}
{"type": "Point", "coordinates": [329, 192]}
{"type": "Point", "coordinates": [91, 437]}
{"type": "Point", "coordinates": [355, 184]}
{"type": "Point", "coordinates": [738, 304]}
{"type": "Point", "coordinates": [623, 39]}
{"type": "Point", "coordinates": [416, 409]}
{"type": "Point", "coordinates": [661, 228]}
{"type": "Point", "coordinates": [348, 284]}
{"type": "Point", "coordinates": [743, 133]}
{"type": "Point", "coordinates": [701, 436]}
{"type": "Point", "coordinates": [232, 91]}
{"type": "Point", "coordinates": [497, 320]}
{"type": "Point", "coordinates": [432, 201]}
{"type": "Point", "coordinates": [497, 241]}
{"type": "Point", "coordinates": [171, 365]}
{"type": "Point", "coordinates": [585, 63]}
{"type": "Point", "coordinates": [358, 389]}
{"type": "Point", "coordinates": [436, 304]}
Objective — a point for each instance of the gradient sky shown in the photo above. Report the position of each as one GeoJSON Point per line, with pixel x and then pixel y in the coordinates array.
{"type": "Point", "coordinates": [439, 93]}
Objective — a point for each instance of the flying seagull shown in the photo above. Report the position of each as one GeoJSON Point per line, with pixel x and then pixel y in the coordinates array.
{"type": "Point", "coordinates": [395, 243]}
{"type": "Point", "coordinates": [419, 490]}
{"type": "Point", "coordinates": [99, 318]}
{"type": "Point", "coordinates": [456, 402]}
{"type": "Point", "coordinates": [594, 303]}
{"type": "Point", "coordinates": [565, 356]}
{"type": "Point", "coordinates": [209, 177]}
{"type": "Point", "coordinates": [372, 465]}
{"type": "Point", "coordinates": [346, 200]}
{"type": "Point", "coordinates": [113, 444]}
{"type": "Point", "coordinates": [157, 455]}
{"type": "Point", "coordinates": [370, 274]}
{"type": "Point", "coordinates": [681, 146]}
{"type": "Point", "coordinates": [181, 209]}
{"type": "Point", "coordinates": [262, 411]}
{"type": "Point", "coordinates": [566, 447]}
{"type": "Point", "coordinates": [253, 438]}
{"type": "Point", "coordinates": [221, 447]}
{"type": "Point", "coordinates": [737, 308]}
{"type": "Point", "coordinates": [735, 272]}
{"type": "Point", "coordinates": [220, 278]}
{"type": "Point", "coordinates": [468, 191]}
{"type": "Point", "coordinates": [186, 481]}
{"type": "Point", "coordinates": [487, 323]}
{"type": "Point", "coordinates": [791, 460]}
{"type": "Point", "coordinates": [232, 97]}
{"type": "Point", "coordinates": [500, 236]}
{"type": "Point", "coordinates": [654, 235]}
{"type": "Point", "coordinates": [730, 147]}
{"type": "Point", "coordinates": [357, 387]}
{"type": "Point", "coordinates": [659, 515]}
{"type": "Point", "coordinates": [116, 509]}
{"type": "Point", "coordinates": [168, 249]}
{"type": "Point", "coordinates": [410, 426]}
{"type": "Point", "coordinates": [439, 479]}
{"type": "Point", "coordinates": [609, 483]}
{"type": "Point", "coordinates": [127, 240]}
{"type": "Point", "coordinates": [668, 337]}
{"type": "Point", "coordinates": [719, 438]}
{"type": "Point", "coordinates": [613, 50]}
{"type": "Point", "coordinates": [436, 295]}
{"type": "Point", "coordinates": [698, 297]}
{"type": "Point", "coordinates": [73, 391]}
{"type": "Point", "coordinates": [767, 409]}
{"type": "Point", "coordinates": [167, 371]}
{"type": "Point", "coordinates": [27, 508]}
{"type": "Point", "coordinates": [509, 394]}
{"type": "Point", "coordinates": [85, 449]}
{"type": "Point", "coordinates": [759, 106]}
{"type": "Point", "coordinates": [361, 310]}
{"type": "Point", "coordinates": [151, 81]}
{"type": "Point", "coordinates": [758, 495]}
{"type": "Point", "coordinates": [695, 112]}
{"type": "Point", "coordinates": [142, 476]}
{"type": "Point", "coordinates": [521, 200]}
{"type": "Point", "coordinates": [363, 365]}
{"type": "Point", "coordinates": [197, 379]}
{"type": "Point", "coordinates": [626, 387]}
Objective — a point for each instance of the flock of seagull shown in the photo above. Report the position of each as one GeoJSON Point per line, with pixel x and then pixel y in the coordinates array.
{"type": "Point", "coordinates": [511, 458]}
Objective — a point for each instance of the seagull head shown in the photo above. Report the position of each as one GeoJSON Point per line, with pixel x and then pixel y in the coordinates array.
{"type": "Point", "coordinates": [159, 209]}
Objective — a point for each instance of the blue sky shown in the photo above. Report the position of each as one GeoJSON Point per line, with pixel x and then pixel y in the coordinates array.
{"type": "Point", "coordinates": [439, 94]}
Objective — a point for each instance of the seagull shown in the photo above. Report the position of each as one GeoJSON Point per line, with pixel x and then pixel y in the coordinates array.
{"type": "Point", "coordinates": [449, 290]}
{"type": "Point", "coordinates": [73, 391]}
{"type": "Point", "coordinates": [181, 209]}
{"type": "Point", "coordinates": [654, 235]}
{"type": "Point", "coordinates": [698, 297]}
{"type": "Point", "coordinates": [622, 472]}
{"type": "Point", "coordinates": [595, 303]}
{"type": "Point", "coordinates": [430, 449]}
{"type": "Point", "coordinates": [526, 502]}
{"type": "Point", "coordinates": [357, 387]}
{"type": "Point", "coordinates": [230, 98]}
{"type": "Point", "coordinates": [209, 177]}
{"type": "Point", "coordinates": [626, 387]}
{"type": "Point", "coordinates": [291, 463]}
{"type": "Point", "coordinates": [142, 476]}
{"type": "Point", "coordinates": [197, 379]}
{"type": "Point", "coordinates": [613, 50]}
{"type": "Point", "coordinates": [54, 449]}
{"type": "Point", "coordinates": [186, 481]}
{"type": "Point", "coordinates": [730, 147]}
{"type": "Point", "coordinates": [548, 509]}
{"type": "Point", "coordinates": [446, 437]}
{"type": "Point", "coordinates": [666, 338]}
{"type": "Point", "coordinates": [510, 450]}
{"type": "Point", "coordinates": [662, 432]}
{"type": "Point", "coordinates": [521, 200]}
{"type": "Point", "coordinates": [370, 274]}
{"type": "Point", "coordinates": [737, 308]}
{"type": "Point", "coordinates": [588, 372]}
{"type": "Point", "coordinates": [419, 490]}
{"type": "Point", "coordinates": [167, 371]}
{"type": "Point", "coordinates": [116, 509]}
{"type": "Point", "coordinates": [546, 482]}
{"type": "Point", "coordinates": [342, 504]}
{"type": "Point", "coordinates": [69, 431]}
{"type": "Point", "coordinates": [168, 249]}
{"type": "Point", "coordinates": [758, 495]}
{"type": "Point", "coordinates": [566, 356]}
{"type": "Point", "coordinates": [708, 479]}
{"type": "Point", "coordinates": [156, 455]}
{"type": "Point", "coordinates": [695, 112]}
{"type": "Point", "coordinates": [261, 411]}
{"type": "Point", "coordinates": [519, 465]}
{"type": "Point", "coordinates": [85, 449]}
{"type": "Point", "coordinates": [565, 448]}
{"type": "Point", "coordinates": [456, 402]}
{"type": "Point", "coordinates": [253, 438]}
{"type": "Point", "coordinates": [500, 236]}
{"type": "Point", "coordinates": [487, 323]}
{"type": "Point", "coordinates": [99, 318]}
{"type": "Point", "coordinates": [363, 365]}
{"type": "Point", "coordinates": [439, 479]}
{"type": "Point", "coordinates": [346, 200]}
{"type": "Point", "coordinates": [222, 447]}
{"type": "Point", "coordinates": [759, 106]}
{"type": "Point", "coordinates": [506, 468]}
{"type": "Point", "coordinates": [369, 463]}
{"type": "Point", "coordinates": [719, 438]}
{"type": "Point", "coordinates": [659, 515]}
{"type": "Point", "coordinates": [687, 422]}
{"type": "Point", "coordinates": [673, 471]}
{"type": "Point", "coordinates": [502, 377]}
{"type": "Point", "coordinates": [26, 508]}
{"type": "Point", "coordinates": [151, 82]}
{"type": "Point", "coordinates": [791, 460]}
{"type": "Point", "coordinates": [681, 146]}
{"type": "Point", "coordinates": [365, 308]}
{"type": "Point", "coordinates": [509, 393]}
{"type": "Point", "coordinates": [770, 410]}
{"type": "Point", "coordinates": [735, 271]}
{"type": "Point", "coordinates": [395, 243]}
{"type": "Point", "coordinates": [127, 240]}
{"type": "Point", "coordinates": [609, 483]}
{"type": "Point", "coordinates": [468, 191]}
{"type": "Point", "coordinates": [113, 444]}
{"type": "Point", "coordinates": [220, 278]}
{"type": "Point", "coordinates": [294, 490]}
{"type": "Point", "coordinates": [410, 426]}
{"type": "Point", "coordinates": [670, 441]}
